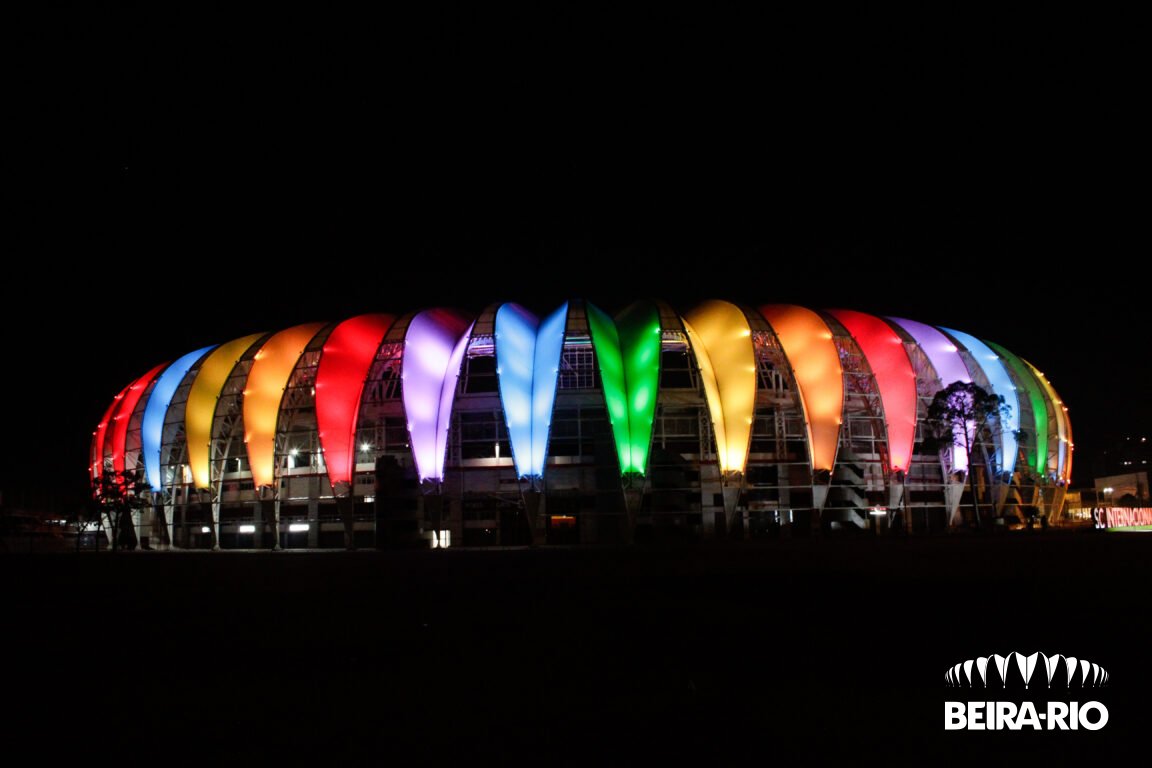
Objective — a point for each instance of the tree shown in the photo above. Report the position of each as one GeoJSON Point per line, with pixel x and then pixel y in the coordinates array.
{"type": "Point", "coordinates": [117, 496]}
{"type": "Point", "coordinates": [957, 415]}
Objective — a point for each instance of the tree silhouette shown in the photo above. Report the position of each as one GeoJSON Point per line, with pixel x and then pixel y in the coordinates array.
{"type": "Point", "coordinates": [957, 415]}
{"type": "Point", "coordinates": [117, 496]}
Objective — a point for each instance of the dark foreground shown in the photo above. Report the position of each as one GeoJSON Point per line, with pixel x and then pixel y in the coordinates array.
{"type": "Point", "coordinates": [792, 650]}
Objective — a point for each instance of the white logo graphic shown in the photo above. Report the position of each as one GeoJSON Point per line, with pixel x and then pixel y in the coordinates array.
{"type": "Point", "coordinates": [1079, 673]}
{"type": "Point", "coordinates": [1037, 671]}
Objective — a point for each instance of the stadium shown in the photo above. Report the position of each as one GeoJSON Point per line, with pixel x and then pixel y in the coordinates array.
{"type": "Point", "coordinates": [440, 428]}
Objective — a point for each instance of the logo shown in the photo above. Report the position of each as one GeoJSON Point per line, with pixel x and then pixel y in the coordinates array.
{"type": "Point", "coordinates": [1037, 672]}
{"type": "Point", "coordinates": [1086, 673]}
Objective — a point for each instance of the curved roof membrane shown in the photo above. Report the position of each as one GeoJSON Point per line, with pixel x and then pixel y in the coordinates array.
{"type": "Point", "coordinates": [262, 395]}
{"type": "Point", "coordinates": [152, 428]}
{"type": "Point", "coordinates": [201, 406]}
{"type": "Point", "coordinates": [628, 351]}
{"type": "Point", "coordinates": [672, 387]}
{"type": "Point", "coordinates": [997, 375]}
{"type": "Point", "coordinates": [945, 358]}
{"type": "Point", "coordinates": [344, 365]}
{"type": "Point", "coordinates": [527, 366]}
{"type": "Point", "coordinates": [721, 340]}
{"type": "Point", "coordinates": [1035, 448]}
{"type": "Point", "coordinates": [886, 356]}
{"type": "Point", "coordinates": [434, 347]}
{"type": "Point", "coordinates": [1064, 443]}
{"type": "Point", "coordinates": [123, 415]}
{"type": "Point", "coordinates": [808, 345]}
{"type": "Point", "coordinates": [100, 436]}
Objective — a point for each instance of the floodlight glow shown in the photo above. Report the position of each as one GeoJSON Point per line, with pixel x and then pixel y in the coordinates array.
{"type": "Point", "coordinates": [297, 527]}
{"type": "Point", "coordinates": [247, 529]}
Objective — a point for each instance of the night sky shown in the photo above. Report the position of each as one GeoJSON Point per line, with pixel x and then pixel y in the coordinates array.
{"type": "Point", "coordinates": [214, 174]}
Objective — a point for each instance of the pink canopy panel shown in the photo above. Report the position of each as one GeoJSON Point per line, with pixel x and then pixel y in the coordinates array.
{"type": "Point", "coordinates": [433, 350]}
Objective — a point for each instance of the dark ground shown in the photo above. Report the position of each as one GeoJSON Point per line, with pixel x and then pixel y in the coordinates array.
{"type": "Point", "coordinates": [797, 650]}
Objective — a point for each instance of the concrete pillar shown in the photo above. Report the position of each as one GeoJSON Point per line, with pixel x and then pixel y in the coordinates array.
{"type": "Point", "coordinates": [270, 516]}
{"type": "Point", "coordinates": [314, 520]}
{"type": "Point", "coordinates": [346, 509]}
{"type": "Point", "coordinates": [898, 503]}
{"type": "Point", "coordinates": [819, 499]}
{"type": "Point", "coordinates": [434, 515]}
{"type": "Point", "coordinates": [734, 516]}
{"type": "Point", "coordinates": [633, 500]}
{"type": "Point", "coordinates": [532, 501]}
{"type": "Point", "coordinates": [127, 530]}
{"type": "Point", "coordinates": [216, 523]}
{"type": "Point", "coordinates": [953, 490]}
{"type": "Point", "coordinates": [1002, 489]}
{"type": "Point", "coordinates": [454, 521]}
{"type": "Point", "coordinates": [108, 527]}
{"type": "Point", "coordinates": [160, 533]}
{"type": "Point", "coordinates": [169, 511]}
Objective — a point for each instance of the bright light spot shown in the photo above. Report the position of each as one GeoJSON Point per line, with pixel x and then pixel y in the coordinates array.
{"type": "Point", "coordinates": [365, 447]}
{"type": "Point", "coordinates": [295, 452]}
{"type": "Point", "coordinates": [878, 511]}
{"type": "Point", "coordinates": [205, 529]}
{"type": "Point", "coordinates": [247, 529]}
{"type": "Point", "coordinates": [297, 527]}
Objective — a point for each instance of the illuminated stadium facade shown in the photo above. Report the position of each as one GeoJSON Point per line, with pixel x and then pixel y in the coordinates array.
{"type": "Point", "coordinates": [575, 427]}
